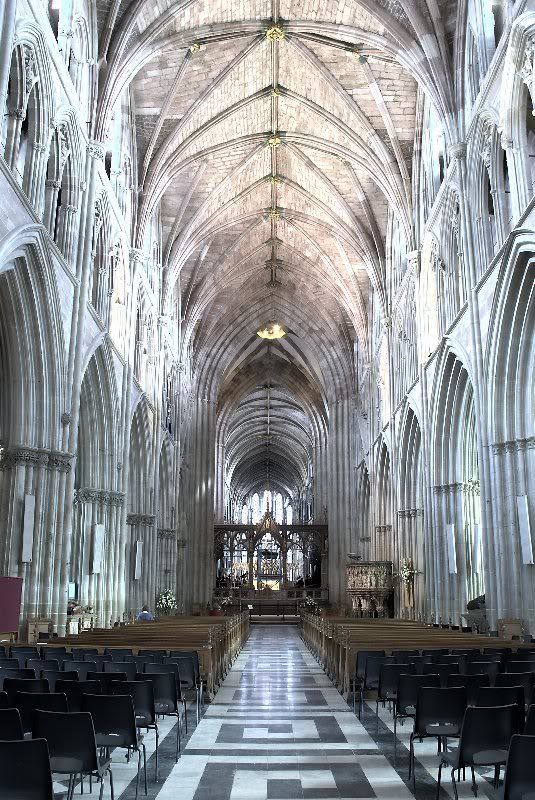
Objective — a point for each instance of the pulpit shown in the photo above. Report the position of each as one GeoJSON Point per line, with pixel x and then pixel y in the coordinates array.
{"type": "Point", "coordinates": [370, 587]}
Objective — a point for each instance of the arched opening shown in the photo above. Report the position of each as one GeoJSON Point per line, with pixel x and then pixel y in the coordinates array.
{"type": "Point", "coordinates": [411, 547]}
{"type": "Point", "coordinates": [167, 541]}
{"type": "Point", "coordinates": [529, 133]}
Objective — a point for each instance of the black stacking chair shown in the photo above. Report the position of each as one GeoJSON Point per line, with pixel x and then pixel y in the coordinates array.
{"type": "Point", "coordinates": [98, 660]}
{"type": "Point", "coordinates": [10, 726]}
{"type": "Point", "coordinates": [142, 694]}
{"type": "Point", "coordinates": [442, 670]}
{"type": "Point", "coordinates": [504, 652]}
{"type": "Point", "coordinates": [153, 653]}
{"type": "Point", "coordinates": [490, 668]}
{"type": "Point", "coordinates": [188, 679]}
{"type": "Point", "coordinates": [401, 656]}
{"type": "Point", "coordinates": [118, 653]}
{"type": "Point", "coordinates": [529, 727]}
{"type": "Point", "coordinates": [525, 653]}
{"type": "Point", "coordinates": [140, 661]}
{"type": "Point", "coordinates": [520, 771]}
{"type": "Point", "coordinates": [486, 657]}
{"type": "Point", "coordinates": [33, 685]}
{"type": "Point", "coordinates": [9, 663]}
{"type": "Point", "coordinates": [2, 651]}
{"type": "Point", "coordinates": [105, 679]}
{"type": "Point", "coordinates": [53, 675]}
{"type": "Point", "coordinates": [79, 653]}
{"type": "Point", "coordinates": [472, 684]}
{"type": "Point", "coordinates": [54, 650]}
{"type": "Point", "coordinates": [439, 714]}
{"type": "Point", "coordinates": [115, 726]}
{"type": "Point", "coordinates": [82, 668]}
{"type": "Point", "coordinates": [167, 699]}
{"type": "Point", "coordinates": [524, 679]}
{"type": "Point", "coordinates": [75, 690]}
{"type": "Point", "coordinates": [460, 661]}
{"type": "Point", "coordinates": [419, 662]}
{"type": "Point", "coordinates": [440, 651]}
{"type": "Point", "coordinates": [125, 667]}
{"type": "Point", "coordinates": [195, 656]}
{"type": "Point", "coordinates": [27, 703]}
{"type": "Point", "coordinates": [387, 689]}
{"type": "Point", "coordinates": [493, 696]}
{"type": "Point", "coordinates": [360, 667]}
{"type": "Point", "coordinates": [405, 705]}
{"type": "Point", "coordinates": [371, 676]}
{"type": "Point", "coordinates": [39, 665]}
{"type": "Point", "coordinates": [25, 650]}
{"type": "Point", "coordinates": [4, 700]}
{"type": "Point", "coordinates": [25, 770]}
{"type": "Point", "coordinates": [484, 742]}
{"type": "Point", "coordinates": [520, 666]}
{"type": "Point", "coordinates": [72, 746]}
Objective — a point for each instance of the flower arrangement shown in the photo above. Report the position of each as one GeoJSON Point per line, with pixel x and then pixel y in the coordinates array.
{"type": "Point", "coordinates": [309, 605]}
{"type": "Point", "coordinates": [166, 602]}
{"type": "Point", "coordinates": [406, 573]}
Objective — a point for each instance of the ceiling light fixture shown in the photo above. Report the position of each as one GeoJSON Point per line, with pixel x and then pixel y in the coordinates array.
{"type": "Point", "coordinates": [271, 330]}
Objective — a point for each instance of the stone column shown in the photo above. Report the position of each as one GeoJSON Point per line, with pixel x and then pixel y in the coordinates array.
{"type": "Point", "coordinates": [7, 19]}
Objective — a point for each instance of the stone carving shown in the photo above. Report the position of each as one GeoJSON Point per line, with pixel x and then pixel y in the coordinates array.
{"type": "Point", "coordinates": [141, 519]}
{"type": "Point", "coordinates": [410, 512]}
{"type": "Point", "coordinates": [513, 446]}
{"type": "Point", "coordinates": [526, 70]}
{"type": "Point", "coordinates": [466, 487]}
{"type": "Point", "coordinates": [166, 533]}
{"type": "Point", "coordinates": [275, 33]}
{"type": "Point", "coordinates": [96, 150]}
{"type": "Point", "coordinates": [30, 71]}
{"type": "Point", "coordinates": [25, 456]}
{"type": "Point", "coordinates": [88, 495]}
{"type": "Point", "coordinates": [436, 262]}
{"type": "Point", "coordinates": [370, 586]}
{"type": "Point", "coordinates": [486, 144]}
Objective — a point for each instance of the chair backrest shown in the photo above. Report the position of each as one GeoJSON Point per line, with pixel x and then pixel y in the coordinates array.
{"type": "Point", "coordinates": [503, 651]}
{"type": "Point", "coordinates": [529, 727]}
{"type": "Point", "coordinates": [164, 687]}
{"type": "Point", "coordinates": [126, 667]}
{"type": "Point", "coordinates": [524, 653]}
{"type": "Point", "coordinates": [520, 771]}
{"type": "Point", "coordinates": [140, 661]}
{"type": "Point", "coordinates": [486, 657]}
{"type": "Point", "coordinates": [472, 684]}
{"type": "Point", "coordinates": [443, 651]}
{"type": "Point", "coordinates": [504, 696]}
{"type": "Point", "coordinates": [360, 664]}
{"type": "Point", "coordinates": [23, 648]}
{"type": "Point", "coordinates": [419, 662]}
{"type": "Point", "coordinates": [53, 675]}
{"type": "Point", "coordinates": [172, 668]}
{"type": "Point", "coordinates": [186, 669]}
{"type": "Point", "coordinates": [38, 665]}
{"type": "Point", "coordinates": [520, 666]}
{"type": "Point", "coordinates": [485, 728]}
{"type": "Point", "coordinates": [373, 669]}
{"type": "Point", "coordinates": [79, 653]}
{"type": "Point", "coordinates": [4, 700]}
{"type": "Point", "coordinates": [408, 687]}
{"type": "Point", "coordinates": [401, 656]}
{"type": "Point", "coordinates": [442, 670]}
{"type": "Point", "coordinates": [524, 679]}
{"type": "Point", "coordinates": [68, 735]}
{"type": "Point", "coordinates": [112, 714]}
{"type": "Point", "coordinates": [157, 653]}
{"type": "Point", "coordinates": [389, 675]}
{"type": "Point", "coordinates": [53, 652]}
{"type": "Point", "coordinates": [118, 653]}
{"type": "Point", "coordinates": [105, 679]}
{"type": "Point", "coordinates": [490, 668]}
{"type": "Point", "coordinates": [74, 691]}
{"type": "Point", "coordinates": [27, 703]}
{"type": "Point", "coordinates": [9, 663]}
{"type": "Point", "coordinates": [33, 685]}
{"type": "Point", "coordinates": [25, 770]}
{"type": "Point", "coordinates": [142, 693]}
{"type": "Point", "coordinates": [439, 705]}
{"type": "Point", "coordinates": [10, 727]}
{"type": "Point", "coordinates": [82, 668]}
{"type": "Point", "coordinates": [98, 660]}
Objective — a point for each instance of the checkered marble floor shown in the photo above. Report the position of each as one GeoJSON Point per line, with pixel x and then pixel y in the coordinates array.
{"type": "Point", "coordinates": [279, 730]}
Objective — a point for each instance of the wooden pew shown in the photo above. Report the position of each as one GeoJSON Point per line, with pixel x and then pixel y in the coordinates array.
{"type": "Point", "coordinates": [217, 640]}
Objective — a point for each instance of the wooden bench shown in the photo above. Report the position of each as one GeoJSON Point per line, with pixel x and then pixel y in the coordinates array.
{"type": "Point", "coordinates": [217, 640]}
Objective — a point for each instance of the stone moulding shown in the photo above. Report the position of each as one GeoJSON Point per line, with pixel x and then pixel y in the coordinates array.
{"type": "Point", "coordinates": [513, 446]}
{"type": "Point", "coordinates": [28, 456]}
{"type": "Point", "coordinates": [140, 519]}
{"type": "Point", "coordinates": [466, 487]}
{"type": "Point", "coordinates": [87, 495]}
{"type": "Point", "coordinates": [166, 533]}
{"type": "Point", "coordinates": [410, 512]}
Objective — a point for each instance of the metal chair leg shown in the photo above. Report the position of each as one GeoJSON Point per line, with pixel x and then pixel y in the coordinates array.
{"type": "Point", "coordinates": [439, 779]}
{"type": "Point", "coordinates": [454, 784]}
{"type": "Point", "coordinates": [145, 766]}
{"type": "Point", "coordinates": [111, 783]}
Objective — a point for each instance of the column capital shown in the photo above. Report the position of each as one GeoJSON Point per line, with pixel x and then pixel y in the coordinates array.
{"type": "Point", "coordinates": [458, 150]}
{"type": "Point", "coordinates": [95, 149]}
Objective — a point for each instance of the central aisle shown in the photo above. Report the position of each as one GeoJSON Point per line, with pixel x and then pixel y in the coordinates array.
{"type": "Point", "coordinates": [279, 730]}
